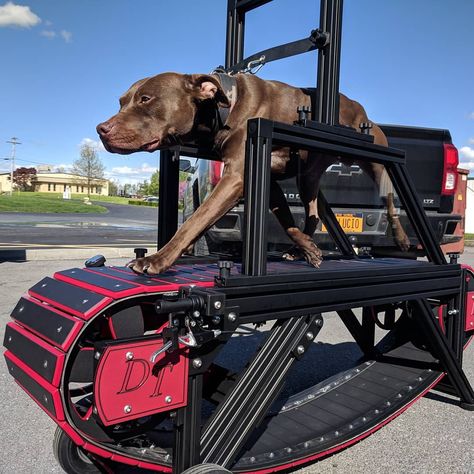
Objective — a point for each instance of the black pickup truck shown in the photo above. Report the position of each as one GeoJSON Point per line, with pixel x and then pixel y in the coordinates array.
{"type": "Point", "coordinates": [432, 162]}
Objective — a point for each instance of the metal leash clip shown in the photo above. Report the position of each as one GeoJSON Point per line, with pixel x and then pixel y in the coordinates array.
{"type": "Point", "coordinates": [254, 66]}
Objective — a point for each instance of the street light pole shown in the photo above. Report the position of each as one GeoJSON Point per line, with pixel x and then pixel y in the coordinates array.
{"type": "Point", "coordinates": [14, 141]}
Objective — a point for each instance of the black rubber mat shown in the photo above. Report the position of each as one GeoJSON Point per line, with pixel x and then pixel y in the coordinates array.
{"type": "Point", "coordinates": [340, 409]}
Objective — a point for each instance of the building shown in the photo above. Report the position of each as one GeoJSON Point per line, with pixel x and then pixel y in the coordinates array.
{"type": "Point", "coordinates": [52, 182]}
{"type": "Point", "coordinates": [470, 206]}
{"type": "Point", "coordinates": [5, 183]}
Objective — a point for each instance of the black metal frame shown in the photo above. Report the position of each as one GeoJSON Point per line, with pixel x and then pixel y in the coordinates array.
{"type": "Point", "coordinates": [296, 300]}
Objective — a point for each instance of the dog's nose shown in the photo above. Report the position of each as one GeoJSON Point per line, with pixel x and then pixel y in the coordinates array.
{"type": "Point", "coordinates": [104, 128]}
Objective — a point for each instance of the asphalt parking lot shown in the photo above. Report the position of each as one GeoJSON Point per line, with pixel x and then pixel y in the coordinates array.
{"type": "Point", "coordinates": [433, 436]}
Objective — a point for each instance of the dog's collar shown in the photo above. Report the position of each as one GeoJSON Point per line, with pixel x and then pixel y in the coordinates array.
{"type": "Point", "coordinates": [229, 86]}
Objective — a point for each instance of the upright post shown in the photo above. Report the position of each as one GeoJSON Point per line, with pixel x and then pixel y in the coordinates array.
{"type": "Point", "coordinates": [14, 141]}
{"type": "Point", "coordinates": [257, 196]}
{"type": "Point", "coordinates": [168, 196]}
{"type": "Point", "coordinates": [329, 59]}
{"type": "Point", "coordinates": [234, 49]}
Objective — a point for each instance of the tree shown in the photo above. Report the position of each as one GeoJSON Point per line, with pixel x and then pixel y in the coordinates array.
{"type": "Point", "coordinates": [113, 188]}
{"type": "Point", "coordinates": [24, 177]}
{"type": "Point", "coordinates": [89, 166]}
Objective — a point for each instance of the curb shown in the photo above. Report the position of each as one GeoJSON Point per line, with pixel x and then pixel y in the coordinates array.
{"type": "Point", "coordinates": [22, 254]}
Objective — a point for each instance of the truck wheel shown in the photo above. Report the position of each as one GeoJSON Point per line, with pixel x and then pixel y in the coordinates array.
{"type": "Point", "coordinates": [71, 457]}
{"type": "Point", "coordinates": [206, 469]}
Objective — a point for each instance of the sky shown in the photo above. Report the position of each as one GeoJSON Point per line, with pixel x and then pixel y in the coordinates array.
{"type": "Point", "coordinates": [65, 64]}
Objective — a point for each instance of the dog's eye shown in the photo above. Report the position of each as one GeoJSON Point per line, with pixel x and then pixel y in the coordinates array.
{"type": "Point", "coordinates": [144, 98]}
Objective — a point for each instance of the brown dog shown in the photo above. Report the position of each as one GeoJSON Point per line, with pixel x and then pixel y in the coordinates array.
{"type": "Point", "coordinates": [157, 110]}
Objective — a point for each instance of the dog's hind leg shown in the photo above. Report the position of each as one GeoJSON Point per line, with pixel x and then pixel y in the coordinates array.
{"type": "Point", "coordinates": [380, 176]}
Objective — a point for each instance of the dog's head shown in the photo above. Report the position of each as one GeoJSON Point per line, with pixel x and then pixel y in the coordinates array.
{"type": "Point", "coordinates": [156, 108]}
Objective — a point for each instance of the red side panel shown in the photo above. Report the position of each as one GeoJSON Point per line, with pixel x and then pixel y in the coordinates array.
{"type": "Point", "coordinates": [128, 386]}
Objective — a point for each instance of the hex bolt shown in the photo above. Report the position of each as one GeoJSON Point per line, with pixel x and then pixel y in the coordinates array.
{"type": "Point", "coordinates": [196, 314]}
{"type": "Point", "coordinates": [217, 304]}
{"type": "Point", "coordinates": [129, 355]}
{"type": "Point", "coordinates": [318, 322]}
{"type": "Point", "coordinates": [232, 317]}
{"type": "Point", "coordinates": [168, 399]}
{"type": "Point", "coordinates": [300, 350]}
{"type": "Point", "coordinates": [45, 364]}
{"type": "Point", "coordinates": [309, 336]}
{"type": "Point", "coordinates": [127, 408]}
{"type": "Point", "coordinates": [216, 320]}
{"type": "Point", "coordinates": [197, 363]}
{"type": "Point", "coordinates": [97, 355]}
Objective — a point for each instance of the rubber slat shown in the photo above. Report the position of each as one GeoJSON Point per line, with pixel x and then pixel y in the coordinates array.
{"type": "Point", "coordinates": [102, 281]}
{"type": "Point", "coordinates": [79, 300]}
{"type": "Point", "coordinates": [335, 410]}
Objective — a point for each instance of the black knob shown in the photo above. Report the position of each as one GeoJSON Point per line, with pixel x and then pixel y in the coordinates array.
{"type": "Point", "coordinates": [303, 112]}
{"type": "Point", "coordinates": [365, 127]}
{"type": "Point", "coordinates": [224, 268]}
{"type": "Point", "coordinates": [96, 261]}
{"type": "Point", "coordinates": [140, 252]}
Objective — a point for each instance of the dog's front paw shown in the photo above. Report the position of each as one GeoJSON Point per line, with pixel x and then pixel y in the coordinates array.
{"type": "Point", "coordinates": [148, 266]}
{"type": "Point", "coordinates": [312, 254]}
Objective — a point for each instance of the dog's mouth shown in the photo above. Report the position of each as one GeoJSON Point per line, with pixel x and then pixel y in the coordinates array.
{"type": "Point", "coordinates": [151, 146]}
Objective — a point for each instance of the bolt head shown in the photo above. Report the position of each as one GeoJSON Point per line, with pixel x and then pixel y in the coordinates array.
{"type": "Point", "coordinates": [175, 322]}
{"type": "Point", "coordinates": [129, 355]}
{"type": "Point", "coordinates": [196, 314]}
{"type": "Point", "coordinates": [127, 408]}
{"type": "Point", "coordinates": [232, 317]}
{"type": "Point", "coordinates": [45, 364]}
{"type": "Point", "coordinates": [97, 355]}
{"type": "Point", "coordinates": [197, 363]}
{"type": "Point", "coordinates": [168, 399]}
{"type": "Point", "coordinates": [217, 304]}
{"type": "Point", "coordinates": [300, 350]}
{"type": "Point", "coordinates": [309, 336]}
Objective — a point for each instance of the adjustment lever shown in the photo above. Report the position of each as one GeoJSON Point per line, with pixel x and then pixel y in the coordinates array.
{"type": "Point", "coordinates": [162, 349]}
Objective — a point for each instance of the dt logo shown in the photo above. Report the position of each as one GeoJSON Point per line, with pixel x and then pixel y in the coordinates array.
{"type": "Point", "coordinates": [128, 386]}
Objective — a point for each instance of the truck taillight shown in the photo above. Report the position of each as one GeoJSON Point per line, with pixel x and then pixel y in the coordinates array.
{"type": "Point", "coordinates": [216, 172]}
{"type": "Point", "coordinates": [450, 171]}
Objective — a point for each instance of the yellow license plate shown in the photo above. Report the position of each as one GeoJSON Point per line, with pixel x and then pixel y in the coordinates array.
{"type": "Point", "coordinates": [352, 223]}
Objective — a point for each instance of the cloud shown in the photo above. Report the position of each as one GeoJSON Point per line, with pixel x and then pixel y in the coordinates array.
{"type": "Point", "coordinates": [128, 174]}
{"type": "Point", "coordinates": [51, 34]}
{"type": "Point", "coordinates": [66, 35]}
{"type": "Point", "coordinates": [96, 144]}
{"type": "Point", "coordinates": [48, 34]}
{"type": "Point", "coordinates": [466, 153]}
{"type": "Point", "coordinates": [17, 15]}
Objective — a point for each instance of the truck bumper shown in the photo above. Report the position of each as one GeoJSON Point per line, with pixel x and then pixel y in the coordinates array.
{"type": "Point", "coordinates": [372, 230]}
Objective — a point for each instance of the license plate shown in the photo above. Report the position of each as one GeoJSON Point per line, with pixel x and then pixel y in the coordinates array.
{"type": "Point", "coordinates": [351, 223]}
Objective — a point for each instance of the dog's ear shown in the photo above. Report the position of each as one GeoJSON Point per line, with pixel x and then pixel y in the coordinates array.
{"type": "Point", "coordinates": [204, 86]}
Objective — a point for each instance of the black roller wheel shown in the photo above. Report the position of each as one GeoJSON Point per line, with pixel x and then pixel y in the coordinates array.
{"type": "Point", "coordinates": [71, 457]}
{"type": "Point", "coordinates": [206, 469]}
